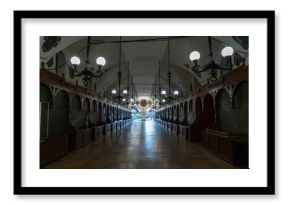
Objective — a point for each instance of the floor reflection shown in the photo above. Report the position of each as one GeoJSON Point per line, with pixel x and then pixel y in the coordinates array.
{"type": "Point", "coordinates": [151, 142]}
{"type": "Point", "coordinates": [142, 145]}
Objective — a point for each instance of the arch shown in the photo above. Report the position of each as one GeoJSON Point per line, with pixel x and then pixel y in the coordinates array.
{"type": "Point", "coordinates": [45, 97]}
{"type": "Point", "coordinates": [94, 106]}
{"type": "Point", "coordinates": [185, 112]}
{"type": "Point", "coordinates": [191, 115]}
{"type": "Point", "coordinates": [198, 106]}
{"type": "Point", "coordinates": [241, 85]}
{"type": "Point", "coordinates": [79, 115]}
{"type": "Point", "coordinates": [181, 107]}
{"type": "Point", "coordinates": [99, 107]}
{"type": "Point", "coordinates": [197, 125]}
{"type": "Point", "coordinates": [222, 90]}
{"type": "Point", "coordinates": [224, 113]}
{"type": "Point", "coordinates": [177, 113]}
{"type": "Point", "coordinates": [86, 105]}
{"type": "Point", "coordinates": [65, 92]}
{"type": "Point", "coordinates": [241, 107]}
{"type": "Point", "coordinates": [198, 113]}
{"type": "Point", "coordinates": [166, 113]}
{"type": "Point", "coordinates": [208, 112]}
{"type": "Point", "coordinates": [93, 113]}
{"type": "Point", "coordinates": [103, 113]}
{"type": "Point", "coordinates": [99, 111]}
{"type": "Point", "coordinates": [174, 112]}
{"type": "Point", "coordinates": [181, 112]}
{"type": "Point", "coordinates": [45, 93]}
{"type": "Point", "coordinates": [190, 106]}
{"type": "Point", "coordinates": [59, 116]}
{"type": "Point", "coordinates": [185, 106]}
{"type": "Point", "coordinates": [113, 113]}
{"type": "Point", "coordinates": [171, 113]}
{"type": "Point", "coordinates": [104, 108]}
{"type": "Point", "coordinates": [108, 112]}
{"type": "Point", "coordinates": [76, 103]}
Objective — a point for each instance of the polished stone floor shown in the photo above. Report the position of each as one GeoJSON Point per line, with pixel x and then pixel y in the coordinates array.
{"type": "Point", "coordinates": [142, 145]}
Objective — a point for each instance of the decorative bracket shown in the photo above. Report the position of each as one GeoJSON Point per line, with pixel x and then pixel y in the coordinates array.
{"type": "Point", "coordinates": [213, 94]}
{"type": "Point", "coordinates": [82, 102]}
{"type": "Point", "coordinates": [230, 89]}
{"type": "Point", "coordinates": [53, 91]}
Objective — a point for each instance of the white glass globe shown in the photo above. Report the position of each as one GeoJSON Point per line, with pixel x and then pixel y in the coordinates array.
{"type": "Point", "coordinates": [163, 92]}
{"type": "Point", "coordinates": [125, 91]}
{"type": "Point", "coordinates": [124, 99]}
{"type": "Point", "coordinates": [176, 92]}
{"type": "Point", "coordinates": [227, 51]}
{"type": "Point", "coordinates": [114, 91]}
{"type": "Point", "coordinates": [163, 100]}
{"type": "Point", "coordinates": [194, 55]}
{"type": "Point", "coordinates": [75, 60]}
{"type": "Point", "coordinates": [101, 61]}
{"type": "Point", "coordinates": [131, 99]}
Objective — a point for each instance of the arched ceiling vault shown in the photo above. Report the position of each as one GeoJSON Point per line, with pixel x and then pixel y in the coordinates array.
{"type": "Point", "coordinates": [143, 57]}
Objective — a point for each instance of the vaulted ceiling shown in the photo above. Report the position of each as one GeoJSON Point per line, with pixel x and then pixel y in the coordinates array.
{"type": "Point", "coordinates": [143, 56]}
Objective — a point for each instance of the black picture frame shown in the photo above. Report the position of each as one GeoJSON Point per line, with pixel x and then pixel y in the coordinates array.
{"type": "Point", "coordinates": [269, 189]}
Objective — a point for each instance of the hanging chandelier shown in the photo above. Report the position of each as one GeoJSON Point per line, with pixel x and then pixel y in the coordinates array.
{"type": "Point", "coordinates": [227, 53]}
{"type": "Point", "coordinates": [170, 96]}
{"type": "Point", "coordinates": [121, 97]}
{"type": "Point", "coordinates": [126, 100]}
{"type": "Point", "coordinates": [154, 104]}
{"type": "Point", "coordinates": [132, 99]}
{"type": "Point", "coordinates": [86, 72]}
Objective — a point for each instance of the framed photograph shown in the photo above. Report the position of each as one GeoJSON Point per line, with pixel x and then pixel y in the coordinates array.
{"type": "Point", "coordinates": [144, 102]}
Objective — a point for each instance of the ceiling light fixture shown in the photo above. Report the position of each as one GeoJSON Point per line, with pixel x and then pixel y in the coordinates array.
{"type": "Point", "coordinates": [86, 72]}
{"type": "Point", "coordinates": [125, 92]}
{"type": "Point", "coordinates": [227, 53]}
{"type": "Point", "coordinates": [169, 97]}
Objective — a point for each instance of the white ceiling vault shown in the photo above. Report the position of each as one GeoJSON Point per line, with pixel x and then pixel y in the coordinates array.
{"type": "Point", "coordinates": [142, 56]}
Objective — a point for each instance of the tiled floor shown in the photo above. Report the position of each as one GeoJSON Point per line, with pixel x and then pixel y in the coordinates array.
{"type": "Point", "coordinates": [142, 145]}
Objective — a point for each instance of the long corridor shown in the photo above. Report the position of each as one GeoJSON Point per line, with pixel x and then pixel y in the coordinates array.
{"type": "Point", "coordinates": [141, 145]}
